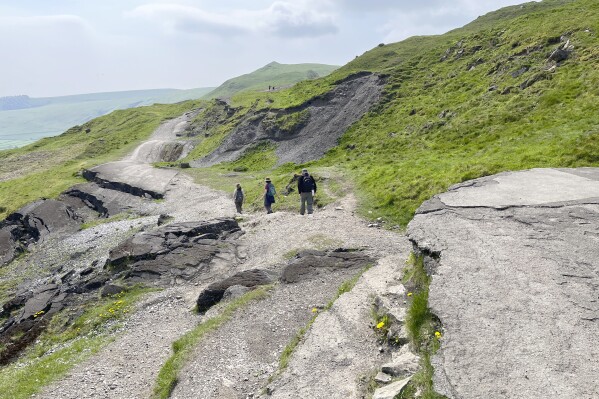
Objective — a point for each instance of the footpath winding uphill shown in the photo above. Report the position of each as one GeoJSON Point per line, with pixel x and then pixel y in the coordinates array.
{"type": "Point", "coordinates": [306, 258]}
{"type": "Point", "coordinates": [514, 284]}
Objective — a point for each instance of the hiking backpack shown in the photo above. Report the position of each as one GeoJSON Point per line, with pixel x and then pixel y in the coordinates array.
{"type": "Point", "coordinates": [308, 183]}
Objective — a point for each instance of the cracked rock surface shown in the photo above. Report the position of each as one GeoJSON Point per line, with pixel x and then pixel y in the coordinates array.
{"type": "Point", "coordinates": [515, 284]}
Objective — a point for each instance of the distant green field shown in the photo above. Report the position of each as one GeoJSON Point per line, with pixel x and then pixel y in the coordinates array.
{"type": "Point", "coordinates": [6, 144]}
{"type": "Point", "coordinates": [54, 115]}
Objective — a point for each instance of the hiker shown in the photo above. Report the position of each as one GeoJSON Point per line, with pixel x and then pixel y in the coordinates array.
{"type": "Point", "coordinates": [238, 197]}
{"type": "Point", "coordinates": [306, 187]}
{"type": "Point", "coordinates": [269, 195]}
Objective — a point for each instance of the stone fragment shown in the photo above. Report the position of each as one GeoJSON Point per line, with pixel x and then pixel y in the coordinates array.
{"type": "Point", "coordinates": [248, 278]}
{"type": "Point", "coordinates": [383, 378]}
{"type": "Point", "coordinates": [310, 264]}
{"type": "Point", "coordinates": [401, 365]}
{"type": "Point", "coordinates": [392, 390]}
{"type": "Point", "coordinates": [110, 289]}
{"type": "Point", "coordinates": [235, 291]}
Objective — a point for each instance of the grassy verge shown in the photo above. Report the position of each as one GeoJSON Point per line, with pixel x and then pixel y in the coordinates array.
{"type": "Point", "coordinates": [423, 327]}
{"type": "Point", "coordinates": [65, 344]}
{"type": "Point", "coordinates": [224, 178]}
{"type": "Point", "coordinates": [183, 347]}
{"type": "Point", "coordinates": [97, 222]}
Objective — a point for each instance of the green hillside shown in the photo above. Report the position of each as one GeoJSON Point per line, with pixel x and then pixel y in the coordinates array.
{"type": "Point", "coordinates": [473, 102]}
{"type": "Point", "coordinates": [52, 164]}
{"type": "Point", "coordinates": [273, 74]}
{"type": "Point", "coordinates": [24, 120]}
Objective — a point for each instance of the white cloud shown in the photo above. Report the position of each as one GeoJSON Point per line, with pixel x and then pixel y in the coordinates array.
{"type": "Point", "coordinates": [281, 18]}
{"type": "Point", "coordinates": [44, 50]}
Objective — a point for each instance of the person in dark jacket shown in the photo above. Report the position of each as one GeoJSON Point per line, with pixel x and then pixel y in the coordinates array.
{"type": "Point", "coordinates": [238, 197]}
{"type": "Point", "coordinates": [269, 195]}
{"type": "Point", "coordinates": [306, 187]}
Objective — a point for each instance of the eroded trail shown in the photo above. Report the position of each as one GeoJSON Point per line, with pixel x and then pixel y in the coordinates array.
{"type": "Point", "coordinates": [237, 359]}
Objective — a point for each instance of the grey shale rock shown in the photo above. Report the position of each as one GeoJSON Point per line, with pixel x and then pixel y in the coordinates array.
{"type": "Point", "coordinates": [248, 278]}
{"type": "Point", "coordinates": [235, 291]}
{"type": "Point", "coordinates": [329, 116]}
{"type": "Point", "coordinates": [32, 223]}
{"type": "Point", "coordinates": [310, 264]}
{"type": "Point", "coordinates": [515, 285]}
{"type": "Point", "coordinates": [175, 252]}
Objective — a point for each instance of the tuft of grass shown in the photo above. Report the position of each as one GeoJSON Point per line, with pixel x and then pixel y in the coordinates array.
{"type": "Point", "coordinates": [423, 328]}
{"type": "Point", "coordinates": [64, 345]}
{"type": "Point", "coordinates": [97, 222]}
{"type": "Point", "coordinates": [183, 347]}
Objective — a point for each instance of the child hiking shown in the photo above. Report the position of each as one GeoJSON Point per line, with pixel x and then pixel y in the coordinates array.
{"type": "Point", "coordinates": [269, 195]}
{"type": "Point", "coordinates": [238, 197]}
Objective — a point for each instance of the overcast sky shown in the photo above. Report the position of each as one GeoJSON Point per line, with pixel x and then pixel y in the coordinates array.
{"type": "Point", "coordinates": [59, 47]}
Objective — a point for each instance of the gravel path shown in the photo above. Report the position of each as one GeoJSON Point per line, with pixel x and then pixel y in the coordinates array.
{"type": "Point", "coordinates": [237, 359]}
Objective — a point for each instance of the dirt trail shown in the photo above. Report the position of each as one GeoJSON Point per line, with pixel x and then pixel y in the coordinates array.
{"type": "Point", "coordinates": [237, 359]}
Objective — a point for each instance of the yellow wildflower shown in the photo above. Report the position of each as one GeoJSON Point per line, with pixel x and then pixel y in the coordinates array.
{"type": "Point", "coordinates": [438, 335]}
{"type": "Point", "coordinates": [380, 325]}
{"type": "Point", "coordinates": [409, 294]}
{"type": "Point", "coordinates": [314, 310]}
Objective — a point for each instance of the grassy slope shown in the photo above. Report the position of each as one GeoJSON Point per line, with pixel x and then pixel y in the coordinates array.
{"type": "Point", "coordinates": [59, 113]}
{"type": "Point", "coordinates": [51, 165]}
{"type": "Point", "coordinates": [273, 74]}
{"type": "Point", "coordinates": [405, 151]}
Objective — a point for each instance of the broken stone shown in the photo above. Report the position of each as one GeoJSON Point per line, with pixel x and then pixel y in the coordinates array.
{"type": "Point", "coordinates": [382, 378]}
{"type": "Point", "coordinates": [235, 291]}
{"type": "Point", "coordinates": [392, 390]}
{"type": "Point", "coordinates": [110, 289]}
{"type": "Point", "coordinates": [215, 292]}
{"type": "Point", "coordinates": [405, 364]}
{"type": "Point", "coordinates": [308, 265]}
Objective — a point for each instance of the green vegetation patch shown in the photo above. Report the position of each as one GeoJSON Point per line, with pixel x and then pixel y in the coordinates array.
{"type": "Point", "coordinates": [271, 75]}
{"type": "Point", "coordinates": [114, 218]}
{"type": "Point", "coordinates": [51, 165]}
{"type": "Point", "coordinates": [183, 347]}
{"type": "Point", "coordinates": [259, 157]}
{"type": "Point", "coordinates": [423, 327]}
{"type": "Point", "coordinates": [64, 344]}
{"type": "Point", "coordinates": [473, 102]}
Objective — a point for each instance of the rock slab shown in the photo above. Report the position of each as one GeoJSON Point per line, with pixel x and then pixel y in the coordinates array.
{"type": "Point", "coordinates": [515, 284]}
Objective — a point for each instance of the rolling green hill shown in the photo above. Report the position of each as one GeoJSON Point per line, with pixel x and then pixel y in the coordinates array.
{"type": "Point", "coordinates": [273, 74]}
{"type": "Point", "coordinates": [24, 120]}
{"type": "Point", "coordinates": [51, 165]}
{"type": "Point", "coordinates": [515, 89]}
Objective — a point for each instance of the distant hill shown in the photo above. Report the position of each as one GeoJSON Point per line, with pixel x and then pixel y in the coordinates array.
{"type": "Point", "coordinates": [273, 74]}
{"type": "Point", "coordinates": [24, 119]}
